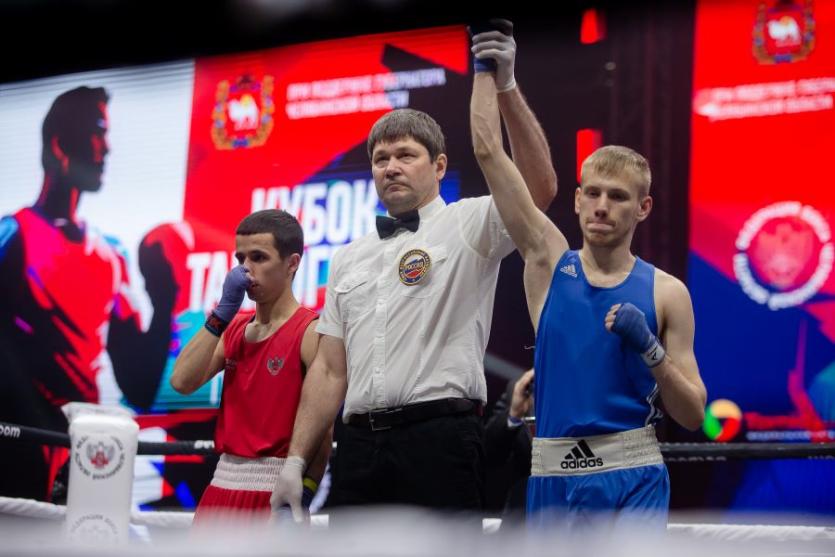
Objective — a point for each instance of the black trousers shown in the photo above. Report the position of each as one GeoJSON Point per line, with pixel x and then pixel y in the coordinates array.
{"type": "Point", "coordinates": [436, 463]}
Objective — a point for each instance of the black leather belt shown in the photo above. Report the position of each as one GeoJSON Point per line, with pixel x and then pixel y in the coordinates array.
{"type": "Point", "coordinates": [418, 412]}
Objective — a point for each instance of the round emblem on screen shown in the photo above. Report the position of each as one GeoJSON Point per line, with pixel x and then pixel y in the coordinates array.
{"type": "Point", "coordinates": [784, 254]}
{"type": "Point", "coordinates": [414, 266]}
{"type": "Point", "coordinates": [723, 420]}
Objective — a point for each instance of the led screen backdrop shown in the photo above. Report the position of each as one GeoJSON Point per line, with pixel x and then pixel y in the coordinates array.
{"type": "Point", "coordinates": [193, 148]}
{"type": "Point", "coordinates": [762, 210]}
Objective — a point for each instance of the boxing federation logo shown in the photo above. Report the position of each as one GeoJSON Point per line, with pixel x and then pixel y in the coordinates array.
{"type": "Point", "coordinates": [243, 113]}
{"type": "Point", "coordinates": [274, 365]}
{"type": "Point", "coordinates": [100, 454]}
{"type": "Point", "coordinates": [784, 32]}
{"type": "Point", "coordinates": [414, 266]}
{"type": "Point", "coordinates": [99, 458]}
{"type": "Point", "coordinates": [784, 254]}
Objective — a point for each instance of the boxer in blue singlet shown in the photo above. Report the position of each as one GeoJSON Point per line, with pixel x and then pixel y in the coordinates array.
{"type": "Point", "coordinates": [614, 337]}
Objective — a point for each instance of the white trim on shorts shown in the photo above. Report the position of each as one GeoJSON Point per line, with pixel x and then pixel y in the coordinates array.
{"type": "Point", "coordinates": [247, 474]}
{"type": "Point", "coordinates": [572, 456]}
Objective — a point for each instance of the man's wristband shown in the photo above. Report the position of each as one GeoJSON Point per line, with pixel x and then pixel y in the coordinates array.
{"type": "Point", "coordinates": [310, 484]}
{"type": "Point", "coordinates": [215, 324]}
{"type": "Point", "coordinates": [309, 487]}
{"type": "Point", "coordinates": [484, 65]}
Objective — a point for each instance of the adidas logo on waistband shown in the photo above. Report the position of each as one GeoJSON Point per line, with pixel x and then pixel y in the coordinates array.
{"type": "Point", "coordinates": [569, 270]}
{"type": "Point", "coordinates": [580, 457]}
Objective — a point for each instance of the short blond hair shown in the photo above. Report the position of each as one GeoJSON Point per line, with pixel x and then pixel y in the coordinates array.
{"type": "Point", "coordinates": [613, 161]}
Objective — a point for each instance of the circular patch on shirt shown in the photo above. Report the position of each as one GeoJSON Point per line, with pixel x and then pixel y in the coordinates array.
{"type": "Point", "coordinates": [274, 365]}
{"type": "Point", "coordinates": [414, 266]}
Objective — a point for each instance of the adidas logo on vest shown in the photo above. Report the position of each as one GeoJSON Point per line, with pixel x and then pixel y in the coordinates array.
{"type": "Point", "coordinates": [569, 270]}
{"type": "Point", "coordinates": [580, 457]}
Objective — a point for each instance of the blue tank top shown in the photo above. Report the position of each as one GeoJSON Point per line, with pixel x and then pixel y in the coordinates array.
{"type": "Point", "coordinates": [587, 381]}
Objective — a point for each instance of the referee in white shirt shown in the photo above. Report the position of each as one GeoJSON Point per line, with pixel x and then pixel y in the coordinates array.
{"type": "Point", "coordinates": [407, 318]}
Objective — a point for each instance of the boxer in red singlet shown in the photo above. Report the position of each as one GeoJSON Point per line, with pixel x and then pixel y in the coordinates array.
{"type": "Point", "coordinates": [264, 356]}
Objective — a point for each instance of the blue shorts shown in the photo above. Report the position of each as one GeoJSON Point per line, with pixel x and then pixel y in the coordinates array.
{"type": "Point", "coordinates": [577, 501]}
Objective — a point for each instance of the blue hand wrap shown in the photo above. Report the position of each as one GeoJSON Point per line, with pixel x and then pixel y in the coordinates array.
{"type": "Point", "coordinates": [485, 65]}
{"type": "Point", "coordinates": [234, 288]}
{"type": "Point", "coordinates": [631, 325]}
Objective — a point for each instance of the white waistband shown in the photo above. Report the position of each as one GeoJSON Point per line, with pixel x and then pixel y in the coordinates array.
{"type": "Point", "coordinates": [569, 456]}
{"type": "Point", "coordinates": [247, 474]}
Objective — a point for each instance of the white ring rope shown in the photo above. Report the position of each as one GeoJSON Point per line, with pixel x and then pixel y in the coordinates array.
{"type": "Point", "coordinates": [31, 508]}
{"type": "Point", "coordinates": [38, 509]}
{"type": "Point", "coordinates": [182, 520]}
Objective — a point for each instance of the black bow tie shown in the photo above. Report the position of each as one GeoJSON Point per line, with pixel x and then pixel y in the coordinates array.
{"type": "Point", "coordinates": [386, 226]}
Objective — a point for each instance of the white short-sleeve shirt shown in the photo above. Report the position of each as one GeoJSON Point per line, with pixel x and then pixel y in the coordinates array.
{"type": "Point", "coordinates": [414, 310]}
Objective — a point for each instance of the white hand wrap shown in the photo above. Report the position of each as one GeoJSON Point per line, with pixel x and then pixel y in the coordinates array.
{"type": "Point", "coordinates": [654, 355]}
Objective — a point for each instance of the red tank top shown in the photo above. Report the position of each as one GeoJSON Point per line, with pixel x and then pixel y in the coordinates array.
{"type": "Point", "coordinates": [262, 385]}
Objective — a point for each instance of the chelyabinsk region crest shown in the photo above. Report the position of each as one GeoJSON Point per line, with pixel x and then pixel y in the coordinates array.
{"type": "Point", "coordinates": [99, 457]}
{"type": "Point", "coordinates": [243, 113]}
{"type": "Point", "coordinates": [414, 266]}
{"type": "Point", "coordinates": [784, 31]}
{"type": "Point", "coordinates": [784, 254]}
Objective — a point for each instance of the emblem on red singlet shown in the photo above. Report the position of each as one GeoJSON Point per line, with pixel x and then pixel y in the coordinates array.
{"type": "Point", "coordinates": [414, 266]}
{"type": "Point", "coordinates": [274, 365]}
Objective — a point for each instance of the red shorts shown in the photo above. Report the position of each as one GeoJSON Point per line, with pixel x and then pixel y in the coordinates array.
{"type": "Point", "coordinates": [240, 489]}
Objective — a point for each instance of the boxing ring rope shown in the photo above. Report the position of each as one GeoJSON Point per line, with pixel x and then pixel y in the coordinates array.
{"type": "Point", "coordinates": [46, 437]}
{"type": "Point", "coordinates": [181, 520]}
{"type": "Point", "coordinates": [29, 508]}
{"type": "Point", "coordinates": [672, 452]}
